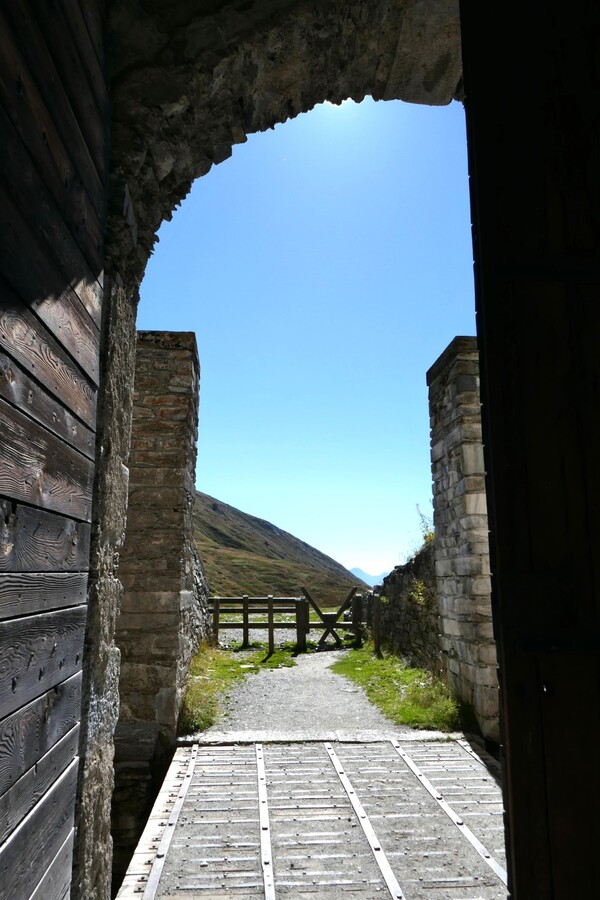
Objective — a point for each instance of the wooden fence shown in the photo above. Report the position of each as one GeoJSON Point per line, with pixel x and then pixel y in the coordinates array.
{"type": "Point", "coordinates": [246, 608]}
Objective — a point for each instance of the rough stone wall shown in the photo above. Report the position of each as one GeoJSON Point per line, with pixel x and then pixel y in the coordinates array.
{"type": "Point", "coordinates": [462, 560]}
{"type": "Point", "coordinates": [164, 604]}
{"type": "Point", "coordinates": [409, 616]}
{"type": "Point", "coordinates": [100, 707]}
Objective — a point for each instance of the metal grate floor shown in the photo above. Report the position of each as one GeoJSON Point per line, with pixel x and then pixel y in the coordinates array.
{"type": "Point", "coordinates": [419, 820]}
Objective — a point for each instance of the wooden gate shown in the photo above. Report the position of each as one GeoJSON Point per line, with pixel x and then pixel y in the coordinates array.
{"type": "Point", "coordinates": [332, 622]}
{"type": "Point", "coordinates": [245, 608]}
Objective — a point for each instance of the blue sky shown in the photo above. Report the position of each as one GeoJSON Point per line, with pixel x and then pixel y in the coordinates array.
{"type": "Point", "coordinates": [324, 268]}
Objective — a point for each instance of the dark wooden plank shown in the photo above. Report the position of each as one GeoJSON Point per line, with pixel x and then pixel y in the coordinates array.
{"type": "Point", "coordinates": [33, 540]}
{"type": "Point", "coordinates": [39, 469]}
{"type": "Point", "coordinates": [89, 58]}
{"type": "Point", "coordinates": [56, 881]}
{"type": "Point", "coordinates": [30, 732]}
{"type": "Point", "coordinates": [93, 15]}
{"type": "Point", "coordinates": [23, 392]}
{"type": "Point", "coordinates": [49, 18]}
{"type": "Point", "coordinates": [21, 798]}
{"type": "Point", "coordinates": [38, 280]}
{"type": "Point", "coordinates": [32, 847]}
{"type": "Point", "coordinates": [37, 653]}
{"type": "Point", "coordinates": [25, 176]}
{"type": "Point", "coordinates": [31, 592]}
{"type": "Point", "coordinates": [45, 218]}
{"type": "Point", "coordinates": [533, 148]}
{"type": "Point", "coordinates": [28, 342]}
{"type": "Point", "coordinates": [40, 109]}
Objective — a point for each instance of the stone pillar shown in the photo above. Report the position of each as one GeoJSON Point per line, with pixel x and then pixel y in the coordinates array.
{"type": "Point", "coordinates": [163, 609]}
{"type": "Point", "coordinates": [461, 531]}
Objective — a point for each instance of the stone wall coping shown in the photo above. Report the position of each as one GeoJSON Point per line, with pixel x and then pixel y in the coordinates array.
{"type": "Point", "coordinates": [457, 347]}
{"type": "Point", "coordinates": [169, 340]}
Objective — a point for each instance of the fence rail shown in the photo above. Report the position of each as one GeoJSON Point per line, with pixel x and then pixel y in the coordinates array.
{"type": "Point", "coordinates": [245, 607]}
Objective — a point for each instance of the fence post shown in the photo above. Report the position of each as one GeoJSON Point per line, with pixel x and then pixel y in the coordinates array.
{"type": "Point", "coordinates": [216, 610]}
{"type": "Point", "coordinates": [271, 627]}
{"type": "Point", "coordinates": [357, 612]}
{"type": "Point", "coordinates": [245, 624]}
{"type": "Point", "coordinates": [301, 624]}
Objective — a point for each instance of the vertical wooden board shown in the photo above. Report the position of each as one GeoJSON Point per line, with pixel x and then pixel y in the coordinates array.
{"type": "Point", "coordinates": [28, 791]}
{"type": "Point", "coordinates": [22, 594]}
{"type": "Point", "coordinates": [24, 393]}
{"type": "Point", "coordinates": [56, 880]}
{"type": "Point", "coordinates": [533, 150]}
{"type": "Point", "coordinates": [571, 767]}
{"type": "Point", "coordinates": [31, 731]}
{"type": "Point", "coordinates": [44, 93]}
{"type": "Point", "coordinates": [37, 653]}
{"type": "Point", "coordinates": [32, 540]}
{"type": "Point", "coordinates": [31, 849]}
{"type": "Point", "coordinates": [27, 341]}
{"type": "Point", "coordinates": [41, 470]}
{"type": "Point", "coordinates": [48, 15]}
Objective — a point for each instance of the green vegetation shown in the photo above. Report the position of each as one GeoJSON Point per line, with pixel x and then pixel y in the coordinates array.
{"type": "Point", "coordinates": [407, 696]}
{"type": "Point", "coordinates": [214, 671]}
{"type": "Point", "coordinates": [242, 554]}
{"type": "Point", "coordinates": [427, 529]}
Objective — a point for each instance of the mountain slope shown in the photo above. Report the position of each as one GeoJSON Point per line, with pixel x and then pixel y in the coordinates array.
{"type": "Point", "coordinates": [369, 579]}
{"type": "Point", "coordinates": [242, 554]}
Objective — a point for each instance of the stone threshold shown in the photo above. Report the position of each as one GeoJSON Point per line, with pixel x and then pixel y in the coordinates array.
{"type": "Point", "coordinates": [306, 736]}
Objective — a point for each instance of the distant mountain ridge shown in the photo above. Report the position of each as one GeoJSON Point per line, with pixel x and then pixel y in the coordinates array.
{"type": "Point", "coordinates": [243, 554]}
{"type": "Point", "coordinates": [371, 580]}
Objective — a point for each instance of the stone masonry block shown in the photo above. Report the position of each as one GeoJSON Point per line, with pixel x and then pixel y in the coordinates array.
{"type": "Point", "coordinates": [475, 504]}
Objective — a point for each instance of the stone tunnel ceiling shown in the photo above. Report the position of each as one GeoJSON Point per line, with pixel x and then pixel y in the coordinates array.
{"type": "Point", "coordinates": [190, 79]}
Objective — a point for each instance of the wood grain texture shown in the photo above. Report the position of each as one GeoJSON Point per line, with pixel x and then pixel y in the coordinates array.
{"type": "Point", "coordinates": [30, 732]}
{"type": "Point", "coordinates": [39, 281]}
{"type": "Point", "coordinates": [22, 594]}
{"type": "Point", "coordinates": [89, 59]}
{"type": "Point", "coordinates": [28, 77]}
{"type": "Point", "coordinates": [49, 17]}
{"type": "Point", "coordinates": [21, 798]}
{"type": "Point", "coordinates": [33, 846]}
{"type": "Point", "coordinates": [24, 393]}
{"type": "Point", "coordinates": [37, 653]}
{"type": "Point", "coordinates": [75, 247]}
{"type": "Point", "coordinates": [92, 13]}
{"type": "Point", "coordinates": [39, 469]}
{"type": "Point", "coordinates": [56, 881]}
{"type": "Point", "coordinates": [32, 540]}
{"type": "Point", "coordinates": [35, 126]}
{"type": "Point", "coordinates": [27, 341]}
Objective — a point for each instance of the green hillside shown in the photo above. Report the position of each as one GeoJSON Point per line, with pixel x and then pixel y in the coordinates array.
{"type": "Point", "coordinates": [245, 555]}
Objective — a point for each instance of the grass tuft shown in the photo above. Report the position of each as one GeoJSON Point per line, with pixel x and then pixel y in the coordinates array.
{"type": "Point", "coordinates": [213, 671]}
{"type": "Point", "coordinates": [408, 696]}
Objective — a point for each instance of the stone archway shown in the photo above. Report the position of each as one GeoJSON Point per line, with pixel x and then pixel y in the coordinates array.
{"type": "Point", "coordinates": [186, 87]}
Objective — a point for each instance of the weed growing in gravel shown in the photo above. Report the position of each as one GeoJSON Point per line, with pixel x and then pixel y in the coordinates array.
{"type": "Point", "coordinates": [213, 671]}
{"type": "Point", "coordinates": [407, 696]}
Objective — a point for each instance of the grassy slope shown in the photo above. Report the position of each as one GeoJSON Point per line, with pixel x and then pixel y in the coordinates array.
{"type": "Point", "coordinates": [245, 555]}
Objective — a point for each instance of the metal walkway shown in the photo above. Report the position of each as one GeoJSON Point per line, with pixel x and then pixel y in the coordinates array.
{"type": "Point", "coordinates": [420, 819]}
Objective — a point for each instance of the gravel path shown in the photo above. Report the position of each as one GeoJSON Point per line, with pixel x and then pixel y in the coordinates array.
{"type": "Point", "coordinates": [308, 697]}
